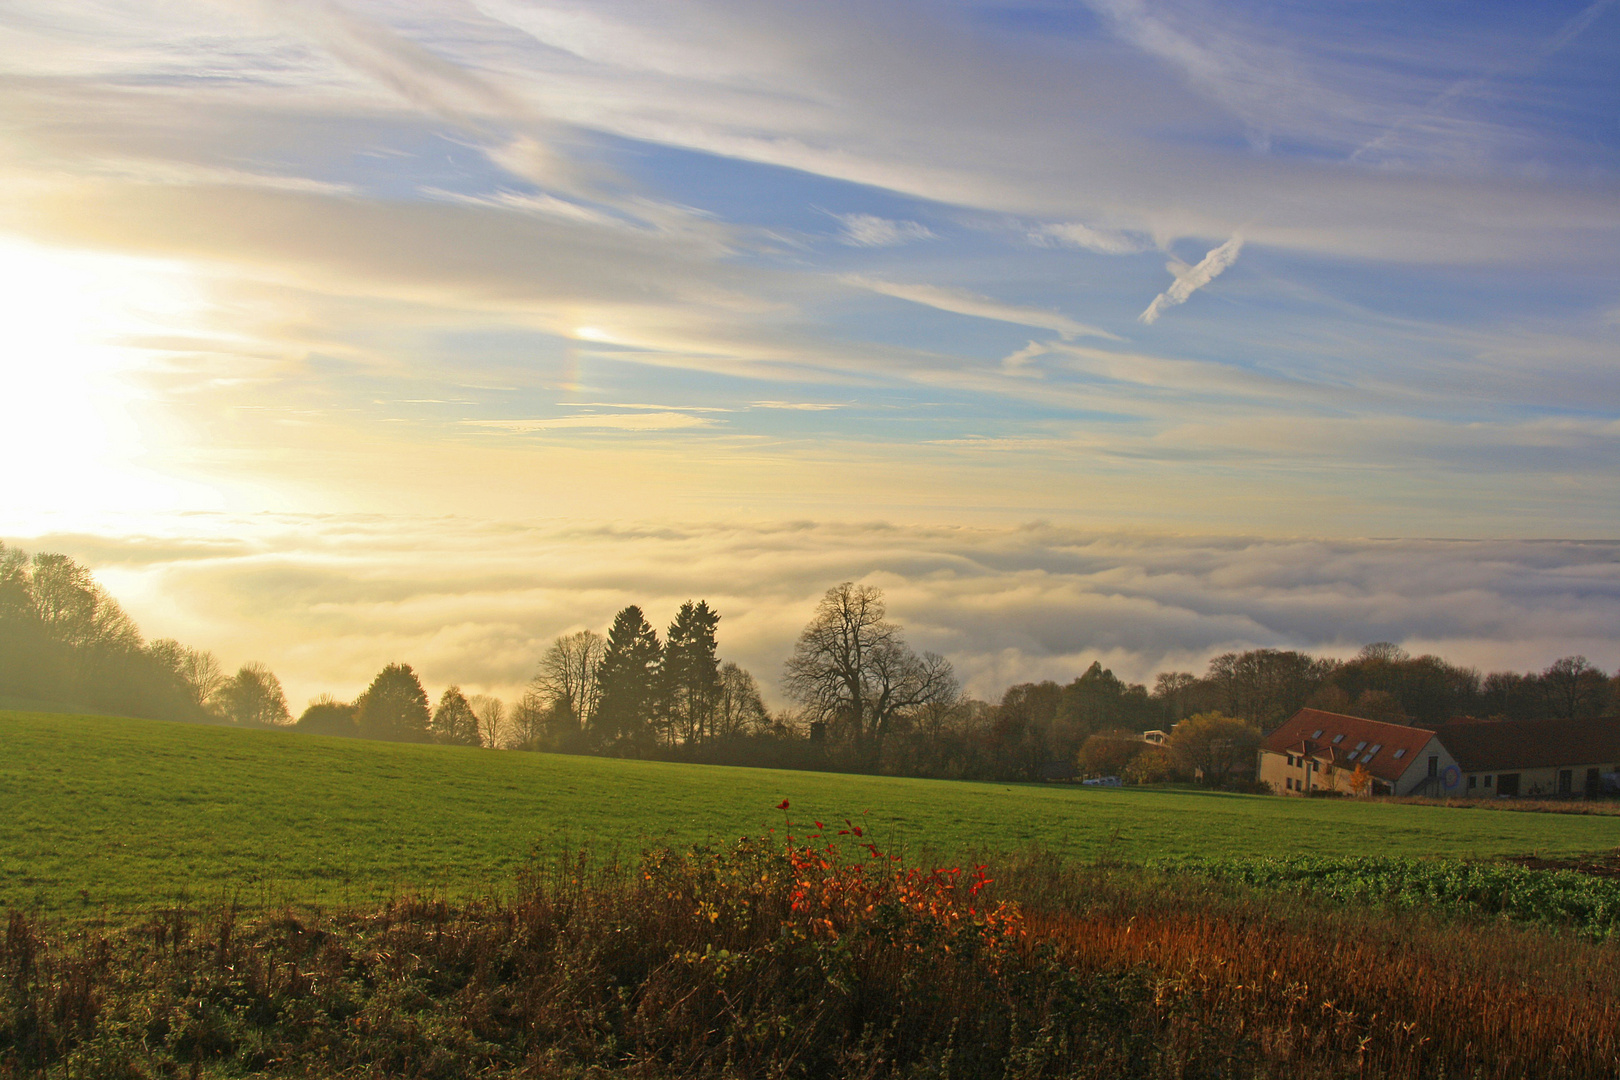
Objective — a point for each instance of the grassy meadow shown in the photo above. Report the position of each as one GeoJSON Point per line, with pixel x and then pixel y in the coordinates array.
{"type": "Point", "coordinates": [106, 815]}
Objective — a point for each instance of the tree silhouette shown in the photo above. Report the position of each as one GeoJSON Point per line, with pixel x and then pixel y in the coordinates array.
{"type": "Point", "coordinates": [326, 715]}
{"type": "Point", "coordinates": [252, 698]}
{"type": "Point", "coordinates": [454, 721]}
{"type": "Point", "coordinates": [394, 706]}
{"type": "Point", "coordinates": [629, 677]}
{"type": "Point", "coordinates": [852, 669]}
{"type": "Point", "coordinates": [692, 673]}
{"type": "Point", "coordinates": [567, 684]}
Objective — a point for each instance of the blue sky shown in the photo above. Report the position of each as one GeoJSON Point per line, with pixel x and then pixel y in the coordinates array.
{"type": "Point", "coordinates": [1339, 270]}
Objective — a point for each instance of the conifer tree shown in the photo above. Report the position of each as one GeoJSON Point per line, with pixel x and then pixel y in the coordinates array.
{"type": "Point", "coordinates": [692, 673]}
{"type": "Point", "coordinates": [394, 706]}
{"type": "Point", "coordinates": [629, 678]}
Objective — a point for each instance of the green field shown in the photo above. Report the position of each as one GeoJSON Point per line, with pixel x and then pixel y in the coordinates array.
{"type": "Point", "coordinates": [101, 814]}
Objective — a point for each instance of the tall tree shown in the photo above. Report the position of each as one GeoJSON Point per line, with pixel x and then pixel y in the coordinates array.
{"type": "Point", "coordinates": [492, 719]}
{"type": "Point", "coordinates": [567, 681]}
{"type": "Point", "coordinates": [394, 706]}
{"type": "Point", "coordinates": [252, 698]}
{"type": "Point", "coordinates": [454, 723]}
{"type": "Point", "coordinates": [852, 669]}
{"type": "Point", "coordinates": [1266, 686]}
{"type": "Point", "coordinates": [630, 678]}
{"type": "Point", "coordinates": [197, 669]}
{"type": "Point", "coordinates": [1573, 688]}
{"type": "Point", "coordinates": [529, 723]}
{"type": "Point", "coordinates": [738, 710]}
{"type": "Point", "coordinates": [692, 673]}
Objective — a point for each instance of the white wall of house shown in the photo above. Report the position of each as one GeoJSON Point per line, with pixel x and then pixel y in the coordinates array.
{"type": "Point", "coordinates": [1451, 779]}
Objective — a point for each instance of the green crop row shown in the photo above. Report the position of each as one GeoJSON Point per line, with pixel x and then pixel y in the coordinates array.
{"type": "Point", "coordinates": [1585, 903]}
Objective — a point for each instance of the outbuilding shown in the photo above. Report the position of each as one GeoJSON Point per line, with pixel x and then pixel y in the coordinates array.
{"type": "Point", "coordinates": [1533, 757]}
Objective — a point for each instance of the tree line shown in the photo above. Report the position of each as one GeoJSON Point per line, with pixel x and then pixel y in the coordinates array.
{"type": "Point", "coordinates": [861, 697]}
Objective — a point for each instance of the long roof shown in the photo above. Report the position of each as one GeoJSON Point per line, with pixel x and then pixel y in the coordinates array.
{"type": "Point", "coordinates": [1533, 744]}
{"type": "Point", "coordinates": [1386, 750]}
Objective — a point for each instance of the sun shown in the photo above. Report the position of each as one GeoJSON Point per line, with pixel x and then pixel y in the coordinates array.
{"type": "Point", "coordinates": [71, 327]}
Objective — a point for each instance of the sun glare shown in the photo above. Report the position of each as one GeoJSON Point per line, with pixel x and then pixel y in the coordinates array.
{"type": "Point", "coordinates": [71, 323]}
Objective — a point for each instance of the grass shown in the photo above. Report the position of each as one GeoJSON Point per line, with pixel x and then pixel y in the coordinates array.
{"type": "Point", "coordinates": [105, 816]}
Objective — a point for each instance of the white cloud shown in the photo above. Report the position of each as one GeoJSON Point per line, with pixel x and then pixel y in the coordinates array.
{"type": "Point", "coordinates": [960, 302]}
{"type": "Point", "coordinates": [1078, 234]}
{"type": "Point", "coordinates": [797, 406]}
{"type": "Point", "coordinates": [1190, 279]}
{"type": "Point", "coordinates": [865, 230]}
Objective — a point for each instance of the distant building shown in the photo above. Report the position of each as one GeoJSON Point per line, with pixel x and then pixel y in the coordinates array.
{"type": "Point", "coordinates": [1321, 751]}
{"type": "Point", "coordinates": [1156, 737]}
{"type": "Point", "coordinates": [1534, 757]}
{"type": "Point", "coordinates": [1317, 751]}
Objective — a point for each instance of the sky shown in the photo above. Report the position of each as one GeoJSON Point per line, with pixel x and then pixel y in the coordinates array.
{"type": "Point", "coordinates": [341, 332]}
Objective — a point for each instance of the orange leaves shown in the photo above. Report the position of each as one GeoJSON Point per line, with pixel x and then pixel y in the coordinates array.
{"type": "Point", "coordinates": [833, 896]}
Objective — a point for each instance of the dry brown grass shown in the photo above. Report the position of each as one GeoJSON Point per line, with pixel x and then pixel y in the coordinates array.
{"type": "Point", "coordinates": [1324, 991]}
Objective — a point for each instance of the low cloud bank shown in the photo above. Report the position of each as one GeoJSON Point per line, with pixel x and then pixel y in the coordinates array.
{"type": "Point", "coordinates": [328, 601]}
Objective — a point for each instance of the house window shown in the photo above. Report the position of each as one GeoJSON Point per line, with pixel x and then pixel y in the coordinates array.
{"type": "Point", "coordinates": [1400, 753]}
{"type": "Point", "coordinates": [1487, 781]}
{"type": "Point", "coordinates": [1360, 744]}
{"type": "Point", "coordinates": [1337, 739]}
{"type": "Point", "coordinates": [1472, 782]}
{"type": "Point", "coordinates": [1290, 760]}
{"type": "Point", "coordinates": [1289, 783]}
{"type": "Point", "coordinates": [1377, 746]}
{"type": "Point", "coordinates": [1317, 734]}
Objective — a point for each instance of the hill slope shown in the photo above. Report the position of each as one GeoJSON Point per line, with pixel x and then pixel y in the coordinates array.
{"type": "Point", "coordinates": [99, 812]}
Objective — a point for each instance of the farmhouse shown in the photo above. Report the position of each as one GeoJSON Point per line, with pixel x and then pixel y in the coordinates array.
{"type": "Point", "coordinates": [1532, 757]}
{"type": "Point", "coordinates": [1323, 751]}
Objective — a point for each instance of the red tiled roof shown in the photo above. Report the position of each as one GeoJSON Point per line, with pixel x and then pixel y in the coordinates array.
{"type": "Point", "coordinates": [1312, 733]}
{"type": "Point", "coordinates": [1533, 744]}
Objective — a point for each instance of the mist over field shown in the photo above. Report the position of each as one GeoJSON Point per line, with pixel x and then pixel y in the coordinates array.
{"type": "Point", "coordinates": [321, 599]}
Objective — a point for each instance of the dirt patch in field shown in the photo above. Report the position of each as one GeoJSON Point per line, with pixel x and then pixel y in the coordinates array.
{"type": "Point", "coordinates": [1607, 866]}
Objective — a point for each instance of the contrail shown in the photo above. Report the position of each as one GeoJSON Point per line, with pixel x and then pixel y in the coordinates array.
{"type": "Point", "coordinates": [1190, 281]}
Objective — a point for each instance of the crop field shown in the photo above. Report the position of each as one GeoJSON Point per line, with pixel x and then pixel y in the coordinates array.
{"type": "Point", "coordinates": [103, 815]}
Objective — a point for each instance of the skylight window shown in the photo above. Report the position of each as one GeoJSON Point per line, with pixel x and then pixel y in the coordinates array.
{"type": "Point", "coordinates": [1317, 734]}
{"type": "Point", "coordinates": [1360, 744]}
{"type": "Point", "coordinates": [1377, 746]}
{"type": "Point", "coordinates": [1337, 739]}
{"type": "Point", "coordinates": [1400, 753]}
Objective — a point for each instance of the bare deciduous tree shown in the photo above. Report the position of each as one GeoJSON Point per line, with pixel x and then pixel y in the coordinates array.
{"type": "Point", "coordinates": [738, 707]}
{"type": "Point", "coordinates": [527, 723]}
{"type": "Point", "coordinates": [852, 669]}
{"type": "Point", "coordinates": [492, 719]}
{"type": "Point", "coordinates": [567, 679]}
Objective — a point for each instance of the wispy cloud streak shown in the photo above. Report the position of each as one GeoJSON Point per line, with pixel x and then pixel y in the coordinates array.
{"type": "Point", "coordinates": [960, 302]}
